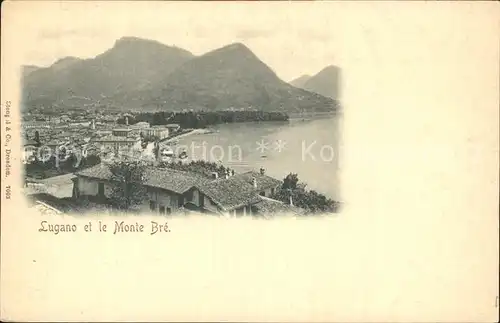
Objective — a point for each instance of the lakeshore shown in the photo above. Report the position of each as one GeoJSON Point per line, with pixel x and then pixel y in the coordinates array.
{"type": "Point", "coordinates": [190, 132]}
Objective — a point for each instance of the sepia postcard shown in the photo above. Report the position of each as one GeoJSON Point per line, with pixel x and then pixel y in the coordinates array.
{"type": "Point", "coordinates": [332, 161]}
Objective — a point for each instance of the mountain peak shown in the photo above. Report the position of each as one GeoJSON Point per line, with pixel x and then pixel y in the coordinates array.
{"type": "Point", "coordinates": [326, 82]}
{"type": "Point", "coordinates": [234, 54]}
{"type": "Point", "coordinates": [234, 47]}
{"type": "Point", "coordinates": [142, 44]}
{"type": "Point", "coordinates": [129, 40]}
{"type": "Point", "coordinates": [328, 68]}
{"type": "Point", "coordinates": [125, 39]}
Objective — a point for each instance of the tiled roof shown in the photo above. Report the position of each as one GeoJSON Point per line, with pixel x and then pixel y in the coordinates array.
{"type": "Point", "coordinates": [173, 180]}
{"type": "Point", "coordinates": [165, 178]}
{"type": "Point", "coordinates": [229, 194]}
{"type": "Point", "coordinates": [269, 206]}
{"type": "Point", "coordinates": [263, 181]}
{"type": "Point", "coordinates": [58, 180]}
{"type": "Point", "coordinates": [238, 190]}
{"type": "Point", "coordinates": [99, 171]}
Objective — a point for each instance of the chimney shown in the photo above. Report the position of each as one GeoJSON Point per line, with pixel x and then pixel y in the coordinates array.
{"type": "Point", "coordinates": [126, 120]}
{"type": "Point", "coordinates": [262, 171]}
{"type": "Point", "coordinates": [254, 182]}
{"type": "Point", "coordinates": [214, 175]}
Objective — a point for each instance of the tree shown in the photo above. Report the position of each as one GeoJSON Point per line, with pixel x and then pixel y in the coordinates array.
{"type": "Point", "coordinates": [156, 149]}
{"type": "Point", "coordinates": [128, 177]}
{"type": "Point", "coordinates": [311, 201]}
{"type": "Point", "coordinates": [37, 139]}
{"type": "Point", "coordinates": [90, 161]}
{"type": "Point", "coordinates": [290, 182]}
{"type": "Point", "coordinates": [70, 163]}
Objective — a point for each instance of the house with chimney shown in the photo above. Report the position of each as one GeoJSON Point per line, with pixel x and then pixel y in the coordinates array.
{"type": "Point", "coordinates": [241, 194]}
{"type": "Point", "coordinates": [234, 195]}
{"type": "Point", "coordinates": [173, 191]}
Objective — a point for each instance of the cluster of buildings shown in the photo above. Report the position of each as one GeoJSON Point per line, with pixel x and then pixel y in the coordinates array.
{"type": "Point", "coordinates": [172, 191]}
{"type": "Point", "coordinates": [92, 133]}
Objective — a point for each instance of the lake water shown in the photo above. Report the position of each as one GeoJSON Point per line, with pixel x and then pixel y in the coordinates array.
{"type": "Point", "coordinates": [306, 147]}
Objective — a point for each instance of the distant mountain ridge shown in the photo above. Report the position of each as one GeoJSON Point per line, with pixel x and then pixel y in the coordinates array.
{"type": "Point", "coordinates": [326, 82]}
{"type": "Point", "coordinates": [147, 75]}
{"type": "Point", "coordinates": [65, 62]}
{"type": "Point", "coordinates": [130, 64]}
{"type": "Point", "coordinates": [300, 81]}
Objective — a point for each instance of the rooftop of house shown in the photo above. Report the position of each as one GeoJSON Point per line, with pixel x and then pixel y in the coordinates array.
{"type": "Point", "coordinates": [165, 178]}
{"type": "Point", "coordinates": [270, 206]}
{"type": "Point", "coordinates": [238, 190]}
{"type": "Point", "coordinates": [229, 193]}
{"type": "Point", "coordinates": [263, 181]}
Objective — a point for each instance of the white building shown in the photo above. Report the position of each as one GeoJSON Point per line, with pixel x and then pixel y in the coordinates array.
{"type": "Point", "coordinates": [121, 132]}
{"type": "Point", "coordinates": [116, 143]}
{"type": "Point", "coordinates": [159, 132]}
